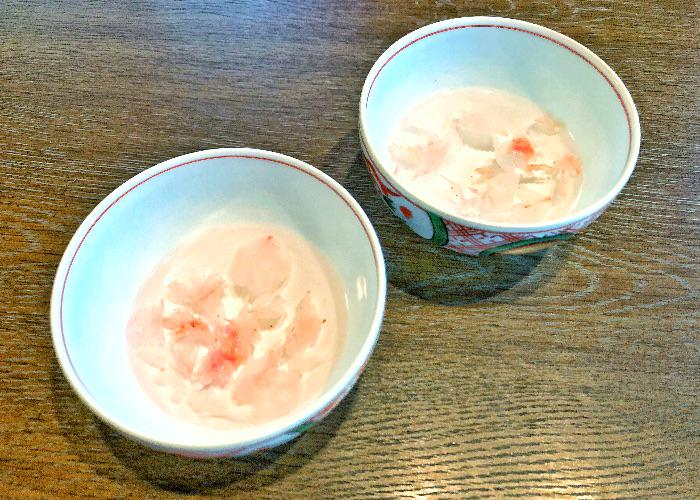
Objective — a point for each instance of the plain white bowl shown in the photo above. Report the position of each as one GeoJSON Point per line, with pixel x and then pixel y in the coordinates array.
{"type": "Point", "coordinates": [134, 227]}
{"type": "Point", "coordinates": [559, 74]}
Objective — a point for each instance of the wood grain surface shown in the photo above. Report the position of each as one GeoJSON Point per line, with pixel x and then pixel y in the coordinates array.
{"type": "Point", "coordinates": [574, 372]}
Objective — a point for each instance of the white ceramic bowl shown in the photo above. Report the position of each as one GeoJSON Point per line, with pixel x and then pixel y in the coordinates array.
{"type": "Point", "coordinates": [134, 227]}
{"type": "Point", "coordinates": [565, 78]}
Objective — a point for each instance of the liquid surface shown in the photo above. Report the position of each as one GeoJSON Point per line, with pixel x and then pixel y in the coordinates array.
{"type": "Point", "coordinates": [239, 325]}
{"type": "Point", "coordinates": [486, 154]}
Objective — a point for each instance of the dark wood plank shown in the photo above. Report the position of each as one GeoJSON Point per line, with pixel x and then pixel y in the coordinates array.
{"type": "Point", "coordinates": [571, 373]}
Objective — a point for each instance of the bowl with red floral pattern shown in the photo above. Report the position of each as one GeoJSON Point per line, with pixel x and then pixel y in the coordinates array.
{"type": "Point", "coordinates": [490, 135]}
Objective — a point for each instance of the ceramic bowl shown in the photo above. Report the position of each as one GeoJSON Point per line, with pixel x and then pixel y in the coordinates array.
{"type": "Point", "coordinates": [134, 227]}
{"type": "Point", "coordinates": [562, 76]}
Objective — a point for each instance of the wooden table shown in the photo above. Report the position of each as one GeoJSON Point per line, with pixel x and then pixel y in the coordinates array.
{"type": "Point", "coordinates": [574, 372]}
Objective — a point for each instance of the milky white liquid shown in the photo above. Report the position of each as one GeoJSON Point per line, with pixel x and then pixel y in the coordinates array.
{"type": "Point", "coordinates": [239, 325]}
{"type": "Point", "coordinates": [486, 154]}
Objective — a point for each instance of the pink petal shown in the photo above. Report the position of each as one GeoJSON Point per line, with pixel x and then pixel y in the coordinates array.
{"type": "Point", "coordinates": [506, 157]}
{"type": "Point", "coordinates": [236, 339]}
{"type": "Point", "coordinates": [569, 164]}
{"type": "Point", "coordinates": [305, 327]}
{"type": "Point", "coordinates": [182, 322]}
{"type": "Point", "coordinates": [547, 125]}
{"type": "Point", "coordinates": [215, 369]}
{"type": "Point", "coordinates": [418, 150]}
{"type": "Point", "coordinates": [257, 377]}
{"type": "Point", "coordinates": [202, 294]}
{"type": "Point", "coordinates": [268, 312]}
{"type": "Point", "coordinates": [259, 268]}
